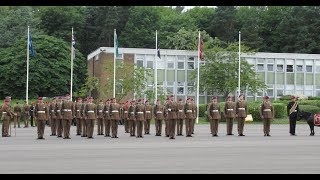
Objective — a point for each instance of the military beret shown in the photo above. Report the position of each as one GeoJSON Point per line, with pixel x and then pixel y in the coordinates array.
{"type": "Point", "coordinates": [266, 97]}
{"type": "Point", "coordinates": [214, 97]}
{"type": "Point", "coordinates": [60, 97]}
{"type": "Point", "coordinates": [167, 99]}
{"type": "Point", "coordinates": [171, 96]}
{"type": "Point", "coordinates": [188, 98]}
{"type": "Point", "coordinates": [6, 100]}
{"type": "Point", "coordinates": [53, 98]}
{"type": "Point", "coordinates": [293, 97]}
{"type": "Point", "coordinates": [85, 99]}
{"type": "Point", "coordinates": [158, 100]}
{"type": "Point", "coordinates": [140, 100]}
{"type": "Point", "coordinates": [147, 101]}
{"type": "Point", "coordinates": [40, 98]}
{"type": "Point", "coordinates": [192, 99]}
{"type": "Point", "coordinates": [67, 94]}
{"type": "Point", "coordinates": [101, 100]}
{"type": "Point", "coordinates": [229, 97]}
{"type": "Point", "coordinates": [240, 95]}
{"type": "Point", "coordinates": [79, 98]}
{"type": "Point", "coordinates": [90, 97]}
{"type": "Point", "coordinates": [180, 99]}
{"type": "Point", "coordinates": [32, 102]}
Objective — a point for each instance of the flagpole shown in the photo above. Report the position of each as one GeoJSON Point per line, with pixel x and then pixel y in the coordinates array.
{"type": "Point", "coordinates": [72, 49]}
{"type": "Point", "coordinates": [239, 64]}
{"type": "Point", "coordinates": [114, 64]}
{"type": "Point", "coordinates": [198, 77]}
{"type": "Point", "coordinates": [27, 86]}
{"type": "Point", "coordinates": [155, 72]}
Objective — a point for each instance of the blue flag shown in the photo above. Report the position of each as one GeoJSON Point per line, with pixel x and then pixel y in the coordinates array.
{"type": "Point", "coordinates": [31, 46]}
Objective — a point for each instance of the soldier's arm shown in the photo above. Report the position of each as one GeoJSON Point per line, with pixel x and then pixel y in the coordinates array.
{"type": "Point", "coordinates": [246, 108]}
{"type": "Point", "coordinates": [273, 113]}
{"type": "Point", "coordinates": [209, 111]}
{"type": "Point", "coordinates": [288, 108]}
{"type": "Point", "coordinates": [261, 109]}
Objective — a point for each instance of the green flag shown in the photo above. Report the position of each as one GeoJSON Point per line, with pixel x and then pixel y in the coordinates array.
{"type": "Point", "coordinates": [116, 45]}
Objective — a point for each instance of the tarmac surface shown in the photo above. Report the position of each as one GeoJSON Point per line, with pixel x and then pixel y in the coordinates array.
{"type": "Point", "coordinates": [202, 153]}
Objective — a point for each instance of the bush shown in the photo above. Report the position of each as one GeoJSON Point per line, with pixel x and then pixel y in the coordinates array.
{"type": "Point", "coordinates": [314, 98]}
{"type": "Point", "coordinates": [286, 97]}
{"type": "Point", "coordinates": [280, 110]}
{"type": "Point", "coordinates": [310, 102]}
{"type": "Point", "coordinates": [202, 110]}
{"type": "Point", "coordinates": [309, 108]}
{"type": "Point", "coordinates": [253, 109]}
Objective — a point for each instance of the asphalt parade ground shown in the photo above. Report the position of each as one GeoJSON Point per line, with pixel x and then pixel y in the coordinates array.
{"type": "Point", "coordinates": [253, 153]}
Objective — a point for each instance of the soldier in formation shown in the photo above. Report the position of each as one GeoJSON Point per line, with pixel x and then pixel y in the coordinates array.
{"type": "Point", "coordinates": [266, 114]}
{"type": "Point", "coordinates": [17, 112]}
{"type": "Point", "coordinates": [83, 118]}
{"type": "Point", "coordinates": [53, 117]}
{"type": "Point", "coordinates": [78, 113]}
{"type": "Point", "coordinates": [90, 117]}
{"type": "Point", "coordinates": [214, 115]}
{"type": "Point", "coordinates": [241, 113]}
{"type": "Point", "coordinates": [115, 117]}
{"type": "Point", "coordinates": [58, 110]}
{"type": "Point", "coordinates": [189, 111]}
{"type": "Point", "coordinates": [6, 117]}
{"type": "Point", "coordinates": [159, 114]}
{"type": "Point", "coordinates": [67, 116]}
{"type": "Point", "coordinates": [292, 111]}
{"type": "Point", "coordinates": [140, 112]}
{"type": "Point", "coordinates": [100, 114]}
{"type": "Point", "coordinates": [229, 114]}
{"type": "Point", "coordinates": [132, 118]}
{"type": "Point", "coordinates": [180, 117]}
{"type": "Point", "coordinates": [125, 117]}
{"type": "Point", "coordinates": [41, 114]}
{"type": "Point", "coordinates": [148, 117]}
{"type": "Point", "coordinates": [172, 116]}
{"type": "Point", "coordinates": [107, 120]}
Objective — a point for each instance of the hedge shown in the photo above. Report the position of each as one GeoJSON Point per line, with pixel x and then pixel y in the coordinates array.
{"type": "Point", "coordinates": [314, 98]}
{"type": "Point", "coordinates": [309, 108]}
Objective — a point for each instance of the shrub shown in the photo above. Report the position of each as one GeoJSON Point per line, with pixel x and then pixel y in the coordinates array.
{"type": "Point", "coordinates": [314, 98]}
{"type": "Point", "coordinates": [253, 109]}
{"type": "Point", "coordinates": [286, 97]}
{"type": "Point", "coordinates": [309, 108]}
{"type": "Point", "coordinates": [202, 110]}
{"type": "Point", "coordinates": [280, 110]}
{"type": "Point", "coordinates": [310, 102]}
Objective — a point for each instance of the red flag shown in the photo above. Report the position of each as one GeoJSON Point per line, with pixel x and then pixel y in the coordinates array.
{"type": "Point", "coordinates": [200, 50]}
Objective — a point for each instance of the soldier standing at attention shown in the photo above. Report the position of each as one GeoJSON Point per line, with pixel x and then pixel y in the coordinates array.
{"type": "Point", "coordinates": [172, 116]}
{"type": "Point", "coordinates": [41, 113]}
{"type": "Point", "coordinates": [132, 118]}
{"type": "Point", "coordinates": [58, 110]}
{"type": "Point", "coordinates": [241, 113]}
{"type": "Point", "coordinates": [77, 112]}
{"type": "Point", "coordinates": [214, 115]}
{"type": "Point", "coordinates": [107, 120]}
{"type": "Point", "coordinates": [159, 113]}
{"type": "Point", "coordinates": [189, 110]}
{"type": "Point", "coordinates": [125, 117]}
{"type": "Point", "coordinates": [48, 118]}
{"type": "Point", "coordinates": [229, 114]}
{"type": "Point", "coordinates": [67, 113]}
{"type": "Point", "coordinates": [6, 117]}
{"type": "Point", "coordinates": [140, 117]}
{"type": "Point", "coordinates": [83, 118]}
{"type": "Point", "coordinates": [266, 114]}
{"type": "Point", "coordinates": [90, 115]}
{"type": "Point", "coordinates": [115, 117]}
{"type": "Point", "coordinates": [292, 110]}
{"type": "Point", "coordinates": [194, 115]}
{"type": "Point", "coordinates": [148, 117]}
{"type": "Point", "coordinates": [26, 109]}
{"type": "Point", "coordinates": [17, 117]}
{"type": "Point", "coordinates": [181, 117]}
{"type": "Point", "coordinates": [31, 112]}
{"type": "Point", "coordinates": [100, 109]}
{"type": "Point", "coordinates": [166, 120]}
{"type": "Point", "coordinates": [53, 117]}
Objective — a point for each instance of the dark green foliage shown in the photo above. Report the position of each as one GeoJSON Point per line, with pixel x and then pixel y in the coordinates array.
{"type": "Point", "coordinates": [309, 108]}
{"type": "Point", "coordinates": [280, 110]}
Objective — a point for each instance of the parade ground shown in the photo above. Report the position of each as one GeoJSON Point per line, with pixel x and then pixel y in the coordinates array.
{"type": "Point", "coordinates": [202, 153]}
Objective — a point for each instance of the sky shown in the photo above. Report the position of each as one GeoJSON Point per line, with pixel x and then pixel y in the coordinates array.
{"type": "Point", "coordinates": [190, 7]}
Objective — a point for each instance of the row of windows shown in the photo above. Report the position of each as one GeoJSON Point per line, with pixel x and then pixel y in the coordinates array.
{"type": "Point", "coordinates": [298, 78]}
{"type": "Point", "coordinates": [166, 65]}
{"type": "Point", "coordinates": [289, 68]}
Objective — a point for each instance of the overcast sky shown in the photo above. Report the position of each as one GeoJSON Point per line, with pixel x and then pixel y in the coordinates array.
{"type": "Point", "coordinates": [190, 7]}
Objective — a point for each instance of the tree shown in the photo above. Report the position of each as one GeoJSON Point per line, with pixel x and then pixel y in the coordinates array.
{"type": "Point", "coordinates": [201, 17]}
{"type": "Point", "coordinates": [220, 73]}
{"type": "Point", "coordinates": [49, 69]}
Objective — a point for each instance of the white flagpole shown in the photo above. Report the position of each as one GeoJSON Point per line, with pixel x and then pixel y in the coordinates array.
{"type": "Point", "coordinates": [114, 64]}
{"type": "Point", "coordinates": [198, 77]}
{"type": "Point", "coordinates": [71, 65]}
{"type": "Point", "coordinates": [155, 72]}
{"type": "Point", "coordinates": [239, 64]}
{"type": "Point", "coordinates": [27, 86]}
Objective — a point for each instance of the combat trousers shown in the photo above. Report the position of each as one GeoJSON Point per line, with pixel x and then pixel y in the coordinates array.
{"type": "Point", "coordinates": [158, 123]}
{"type": "Point", "coordinates": [59, 127]}
{"type": "Point", "coordinates": [240, 124]}
{"type": "Point", "coordinates": [31, 121]}
{"type": "Point", "coordinates": [229, 123]}
{"type": "Point", "coordinates": [40, 128]}
{"type": "Point", "coordinates": [79, 125]}
{"type": "Point", "coordinates": [126, 125]}
{"type": "Point", "coordinates": [90, 127]}
{"type": "Point", "coordinates": [25, 118]}
{"type": "Point", "coordinates": [139, 127]}
{"type": "Point", "coordinates": [292, 123]}
{"type": "Point", "coordinates": [132, 127]}
{"type": "Point", "coordinates": [5, 127]}
{"type": "Point", "coordinates": [16, 121]}
{"type": "Point", "coordinates": [172, 127]}
{"type": "Point", "coordinates": [266, 125]}
{"type": "Point", "coordinates": [179, 126]}
{"type": "Point", "coordinates": [100, 126]}
{"type": "Point", "coordinates": [53, 126]}
{"type": "Point", "coordinates": [66, 127]}
{"type": "Point", "coordinates": [147, 126]}
{"type": "Point", "coordinates": [189, 127]}
{"type": "Point", "coordinates": [107, 126]}
{"type": "Point", "coordinates": [192, 125]}
{"type": "Point", "coordinates": [166, 128]}
{"type": "Point", "coordinates": [214, 123]}
{"type": "Point", "coordinates": [84, 127]}
{"type": "Point", "coordinates": [114, 127]}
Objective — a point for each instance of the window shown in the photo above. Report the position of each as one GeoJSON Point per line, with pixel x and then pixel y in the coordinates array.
{"type": "Point", "coordinates": [169, 90]}
{"type": "Point", "coordinates": [290, 78]}
{"type": "Point", "coordinates": [192, 58]}
{"type": "Point", "coordinates": [180, 90]}
{"type": "Point", "coordinates": [317, 68]}
{"type": "Point", "coordinates": [270, 78]}
{"type": "Point", "coordinates": [170, 75]}
{"type": "Point", "coordinates": [299, 78]}
{"type": "Point", "coordinates": [190, 91]}
{"type": "Point", "coordinates": [308, 93]}
{"type": "Point", "coordinates": [299, 68]}
{"type": "Point", "coordinates": [289, 68]}
{"type": "Point", "coordinates": [270, 67]}
{"type": "Point", "coordinates": [170, 65]}
{"type": "Point", "coordinates": [180, 75]}
{"type": "Point", "coordinates": [279, 92]}
{"type": "Point", "coordinates": [190, 65]}
{"type": "Point", "coordinates": [280, 78]}
{"type": "Point", "coordinates": [309, 79]}
{"type": "Point", "coordinates": [170, 83]}
{"type": "Point", "coordinates": [150, 64]}
{"type": "Point", "coordinates": [270, 92]}
{"type": "Point", "coordinates": [308, 68]}
{"type": "Point", "coordinates": [260, 67]}
{"type": "Point", "coordinates": [160, 75]}
{"type": "Point", "coordinates": [161, 65]}
{"type": "Point", "coordinates": [260, 60]}
{"type": "Point", "coordinates": [279, 68]}
{"type": "Point", "coordinates": [180, 83]}
{"type": "Point", "coordinates": [318, 93]}
{"type": "Point", "coordinates": [181, 58]}
{"type": "Point", "coordinates": [180, 65]}
{"type": "Point", "coordinates": [139, 63]}
{"type": "Point", "coordinates": [191, 83]}
{"type": "Point", "coordinates": [120, 56]}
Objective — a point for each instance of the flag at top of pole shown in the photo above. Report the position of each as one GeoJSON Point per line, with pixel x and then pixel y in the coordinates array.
{"type": "Point", "coordinates": [30, 45]}
{"type": "Point", "coordinates": [116, 53]}
{"type": "Point", "coordinates": [200, 48]}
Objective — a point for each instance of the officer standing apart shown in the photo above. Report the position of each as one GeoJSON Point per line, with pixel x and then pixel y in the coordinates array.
{"type": "Point", "coordinates": [17, 117]}
{"type": "Point", "coordinates": [293, 110]}
{"type": "Point", "coordinates": [148, 117]}
{"type": "Point", "coordinates": [100, 117]}
{"type": "Point", "coordinates": [229, 114]}
{"type": "Point", "coordinates": [181, 117]}
{"type": "Point", "coordinates": [241, 113]}
{"type": "Point", "coordinates": [6, 117]}
{"type": "Point", "coordinates": [90, 116]}
{"type": "Point", "coordinates": [26, 109]}
{"type": "Point", "coordinates": [67, 113]}
{"type": "Point", "coordinates": [115, 117]}
{"type": "Point", "coordinates": [53, 118]}
{"type": "Point", "coordinates": [266, 114]}
{"type": "Point", "coordinates": [41, 114]}
{"type": "Point", "coordinates": [214, 115]}
{"type": "Point", "coordinates": [159, 113]}
{"type": "Point", "coordinates": [140, 117]}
